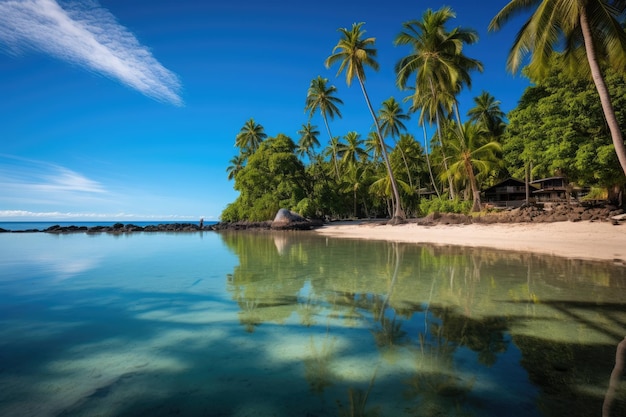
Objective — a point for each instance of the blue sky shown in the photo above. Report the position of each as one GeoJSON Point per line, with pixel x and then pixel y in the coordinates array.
{"type": "Point", "coordinates": [128, 110]}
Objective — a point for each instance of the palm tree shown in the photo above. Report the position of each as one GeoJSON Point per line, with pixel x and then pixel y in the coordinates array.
{"type": "Point", "coordinates": [487, 112]}
{"type": "Point", "coordinates": [391, 116]}
{"type": "Point", "coordinates": [411, 153]}
{"type": "Point", "coordinates": [438, 62]}
{"type": "Point", "coordinates": [372, 146]}
{"type": "Point", "coordinates": [591, 26]}
{"type": "Point", "coordinates": [236, 164]}
{"type": "Point", "coordinates": [333, 150]}
{"type": "Point", "coordinates": [352, 151]}
{"type": "Point", "coordinates": [250, 137]}
{"type": "Point", "coordinates": [354, 53]}
{"type": "Point", "coordinates": [308, 140]}
{"type": "Point", "coordinates": [357, 175]}
{"type": "Point", "coordinates": [322, 98]}
{"type": "Point", "coordinates": [472, 151]}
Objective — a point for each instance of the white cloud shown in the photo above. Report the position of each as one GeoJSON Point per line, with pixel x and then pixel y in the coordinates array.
{"type": "Point", "coordinates": [37, 177]}
{"type": "Point", "coordinates": [87, 35]}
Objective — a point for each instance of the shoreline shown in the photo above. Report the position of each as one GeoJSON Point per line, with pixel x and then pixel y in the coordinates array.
{"type": "Point", "coordinates": [586, 240]}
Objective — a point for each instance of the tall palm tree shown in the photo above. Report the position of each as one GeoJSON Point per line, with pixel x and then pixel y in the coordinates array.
{"type": "Point", "coordinates": [308, 140]}
{"type": "Point", "coordinates": [321, 97]}
{"type": "Point", "coordinates": [487, 112]}
{"type": "Point", "coordinates": [354, 53]}
{"type": "Point", "coordinates": [250, 137]}
{"type": "Point", "coordinates": [591, 26]}
{"type": "Point", "coordinates": [236, 164]}
{"type": "Point", "coordinates": [441, 69]}
{"type": "Point", "coordinates": [472, 152]}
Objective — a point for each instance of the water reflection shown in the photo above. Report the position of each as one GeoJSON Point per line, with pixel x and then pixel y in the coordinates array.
{"type": "Point", "coordinates": [466, 332]}
{"type": "Point", "coordinates": [284, 324]}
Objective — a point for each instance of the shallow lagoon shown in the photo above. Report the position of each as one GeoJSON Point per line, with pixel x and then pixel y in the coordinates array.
{"type": "Point", "coordinates": [294, 324]}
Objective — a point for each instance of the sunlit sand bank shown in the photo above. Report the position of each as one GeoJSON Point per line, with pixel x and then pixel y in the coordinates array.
{"type": "Point", "coordinates": [580, 240]}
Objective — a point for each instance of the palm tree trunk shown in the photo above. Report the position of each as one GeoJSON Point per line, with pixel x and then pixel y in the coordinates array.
{"type": "Point", "coordinates": [443, 154]}
{"type": "Point", "coordinates": [476, 206]}
{"type": "Point", "coordinates": [430, 170]}
{"type": "Point", "coordinates": [330, 137]}
{"type": "Point", "coordinates": [406, 165]}
{"type": "Point", "coordinates": [603, 92]}
{"type": "Point", "coordinates": [398, 214]}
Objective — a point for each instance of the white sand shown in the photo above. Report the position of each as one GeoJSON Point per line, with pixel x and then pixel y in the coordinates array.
{"type": "Point", "coordinates": [579, 240]}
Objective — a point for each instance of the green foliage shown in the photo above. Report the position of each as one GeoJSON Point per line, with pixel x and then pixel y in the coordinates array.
{"type": "Point", "coordinates": [560, 128]}
{"type": "Point", "coordinates": [273, 178]}
{"type": "Point", "coordinates": [444, 205]}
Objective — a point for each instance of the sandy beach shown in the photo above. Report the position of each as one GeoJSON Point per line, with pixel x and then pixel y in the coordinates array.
{"type": "Point", "coordinates": [601, 241]}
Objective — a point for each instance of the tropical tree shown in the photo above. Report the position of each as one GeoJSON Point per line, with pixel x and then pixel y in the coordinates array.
{"type": "Point", "coordinates": [392, 116]}
{"type": "Point", "coordinates": [437, 60]}
{"type": "Point", "coordinates": [333, 150]}
{"type": "Point", "coordinates": [373, 147]}
{"type": "Point", "coordinates": [559, 126]}
{"type": "Point", "coordinates": [589, 28]}
{"type": "Point", "coordinates": [487, 112]}
{"type": "Point", "coordinates": [250, 137]}
{"type": "Point", "coordinates": [472, 152]}
{"type": "Point", "coordinates": [308, 140]}
{"type": "Point", "coordinates": [321, 97]}
{"type": "Point", "coordinates": [408, 162]}
{"type": "Point", "coordinates": [351, 151]}
{"type": "Point", "coordinates": [273, 177]}
{"type": "Point", "coordinates": [354, 53]}
{"type": "Point", "coordinates": [236, 164]}
{"type": "Point", "coordinates": [411, 154]}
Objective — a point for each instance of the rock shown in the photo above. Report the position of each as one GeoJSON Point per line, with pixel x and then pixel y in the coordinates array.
{"type": "Point", "coordinates": [289, 220]}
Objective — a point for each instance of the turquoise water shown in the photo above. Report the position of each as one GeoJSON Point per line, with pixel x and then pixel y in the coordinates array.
{"type": "Point", "coordinates": [293, 324]}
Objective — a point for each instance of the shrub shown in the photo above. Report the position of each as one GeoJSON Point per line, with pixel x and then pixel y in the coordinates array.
{"type": "Point", "coordinates": [444, 205]}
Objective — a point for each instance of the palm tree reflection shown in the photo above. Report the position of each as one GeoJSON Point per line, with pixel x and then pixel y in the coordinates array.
{"type": "Point", "coordinates": [317, 366]}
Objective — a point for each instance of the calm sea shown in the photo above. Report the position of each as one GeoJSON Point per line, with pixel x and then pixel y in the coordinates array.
{"type": "Point", "coordinates": [45, 225]}
{"type": "Point", "coordinates": [294, 324]}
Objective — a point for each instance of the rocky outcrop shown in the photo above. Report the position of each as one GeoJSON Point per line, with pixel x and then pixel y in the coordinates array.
{"type": "Point", "coordinates": [557, 212]}
{"type": "Point", "coordinates": [548, 213]}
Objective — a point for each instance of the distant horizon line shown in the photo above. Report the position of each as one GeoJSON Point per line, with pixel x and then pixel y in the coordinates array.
{"type": "Point", "coordinates": [55, 216]}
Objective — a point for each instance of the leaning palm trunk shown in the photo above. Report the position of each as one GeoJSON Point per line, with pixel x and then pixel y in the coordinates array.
{"type": "Point", "coordinates": [398, 214]}
{"type": "Point", "coordinates": [603, 92]}
{"type": "Point", "coordinates": [406, 166]}
{"type": "Point", "coordinates": [330, 137]}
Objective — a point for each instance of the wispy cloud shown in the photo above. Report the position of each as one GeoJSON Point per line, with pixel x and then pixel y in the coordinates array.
{"type": "Point", "coordinates": [43, 176]}
{"type": "Point", "coordinates": [87, 35]}
{"type": "Point", "coordinates": [30, 180]}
